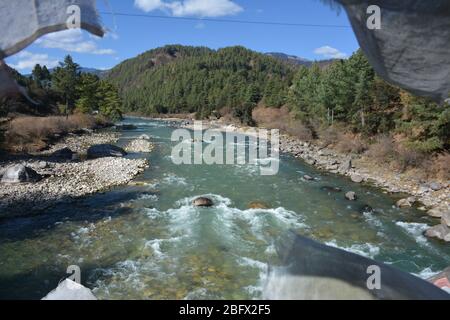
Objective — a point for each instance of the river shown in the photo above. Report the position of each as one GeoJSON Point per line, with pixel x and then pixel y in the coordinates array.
{"type": "Point", "coordinates": [147, 241]}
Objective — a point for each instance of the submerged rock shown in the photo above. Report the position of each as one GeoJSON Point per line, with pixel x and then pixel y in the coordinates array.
{"type": "Point", "coordinates": [105, 150]}
{"type": "Point", "coordinates": [331, 189]}
{"type": "Point", "coordinates": [19, 174]}
{"type": "Point", "coordinates": [441, 232]}
{"type": "Point", "coordinates": [258, 205]}
{"type": "Point", "coordinates": [203, 202]}
{"type": "Point", "coordinates": [351, 196]}
{"type": "Point", "coordinates": [366, 209]}
{"type": "Point", "coordinates": [70, 290]}
{"type": "Point", "coordinates": [308, 178]}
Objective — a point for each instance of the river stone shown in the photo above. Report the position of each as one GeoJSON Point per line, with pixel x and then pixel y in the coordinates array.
{"type": "Point", "coordinates": [19, 174]}
{"type": "Point", "coordinates": [308, 178]}
{"type": "Point", "coordinates": [351, 196]}
{"type": "Point", "coordinates": [105, 150]}
{"type": "Point", "coordinates": [435, 186]}
{"type": "Point", "coordinates": [346, 165]}
{"type": "Point", "coordinates": [404, 203]}
{"type": "Point", "coordinates": [438, 212]}
{"type": "Point", "coordinates": [357, 178]}
{"type": "Point", "coordinates": [445, 219]}
{"type": "Point", "coordinates": [440, 232]}
{"type": "Point", "coordinates": [258, 205]}
{"type": "Point", "coordinates": [203, 202]}
{"type": "Point", "coordinates": [64, 153]}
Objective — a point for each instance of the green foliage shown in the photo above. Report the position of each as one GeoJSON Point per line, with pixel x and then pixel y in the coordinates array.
{"type": "Point", "coordinates": [189, 79]}
{"type": "Point", "coordinates": [64, 81]}
{"type": "Point", "coordinates": [364, 103]}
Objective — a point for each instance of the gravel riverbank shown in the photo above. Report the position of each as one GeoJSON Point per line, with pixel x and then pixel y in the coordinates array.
{"type": "Point", "coordinates": [66, 179]}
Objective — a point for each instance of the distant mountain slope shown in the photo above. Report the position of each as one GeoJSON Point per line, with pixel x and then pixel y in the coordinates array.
{"type": "Point", "coordinates": [300, 61]}
{"type": "Point", "coordinates": [197, 79]}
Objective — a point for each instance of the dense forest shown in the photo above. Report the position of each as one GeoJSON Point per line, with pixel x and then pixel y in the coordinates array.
{"type": "Point", "coordinates": [344, 93]}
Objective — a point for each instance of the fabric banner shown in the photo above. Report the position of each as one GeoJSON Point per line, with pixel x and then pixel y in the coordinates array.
{"type": "Point", "coordinates": [412, 48]}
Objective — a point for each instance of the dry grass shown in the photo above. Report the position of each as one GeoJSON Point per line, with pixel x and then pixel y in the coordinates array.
{"type": "Point", "coordinates": [280, 118]}
{"type": "Point", "coordinates": [350, 143]}
{"type": "Point", "coordinates": [383, 150]}
{"type": "Point", "coordinates": [29, 134]}
{"type": "Point", "coordinates": [439, 167]}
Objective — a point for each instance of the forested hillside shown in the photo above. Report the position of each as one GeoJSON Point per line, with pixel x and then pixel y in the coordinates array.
{"type": "Point", "coordinates": [177, 79]}
{"type": "Point", "coordinates": [346, 93]}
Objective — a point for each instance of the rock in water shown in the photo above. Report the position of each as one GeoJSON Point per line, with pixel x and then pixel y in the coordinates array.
{"type": "Point", "coordinates": [331, 189]}
{"type": "Point", "coordinates": [439, 211]}
{"type": "Point", "coordinates": [19, 174]}
{"type": "Point", "coordinates": [140, 146]}
{"type": "Point", "coordinates": [357, 178]}
{"type": "Point", "coordinates": [351, 196]}
{"type": "Point", "coordinates": [441, 232]}
{"type": "Point", "coordinates": [308, 178]}
{"type": "Point", "coordinates": [404, 203]}
{"type": "Point", "coordinates": [105, 150]}
{"type": "Point", "coordinates": [70, 290]}
{"type": "Point", "coordinates": [258, 205]}
{"type": "Point", "coordinates": [64, 153]}
{"type": "Point", "coordinates": [203, 202]}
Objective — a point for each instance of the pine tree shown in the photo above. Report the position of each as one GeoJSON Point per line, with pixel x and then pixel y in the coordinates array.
{"type": "Point", "coordinates": [65, 79]}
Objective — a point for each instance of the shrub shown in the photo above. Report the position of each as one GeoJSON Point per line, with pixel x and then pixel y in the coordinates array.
{"type": "Point", "coordinates": [349, 143]}
{"type": "Point", "coordinates": [408, 158]}
{"type": "Point", "coordinates": [329, 136]}
{"type": "Point", "coordinates": [28, 134]}
{"type": "Point", "coordinates": [439, 167]}
{"type": "Point", "coordinates": [382, 150]}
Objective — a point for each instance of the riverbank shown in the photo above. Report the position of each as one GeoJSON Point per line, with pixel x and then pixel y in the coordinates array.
{"type": "Point", "coordinates": [64, 177]}
{"type": "Point", "coordinates": [428, 195]}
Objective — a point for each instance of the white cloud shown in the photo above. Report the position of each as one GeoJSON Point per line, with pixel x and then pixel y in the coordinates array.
{"type": "Point", "coordinates": [72, 40]}
{"type": "Point", "coordinates": [27, 60]}
{"type": "Point", "coordinates": [201, 8]}
{"type": "Point", "coordinates": [330, 53]}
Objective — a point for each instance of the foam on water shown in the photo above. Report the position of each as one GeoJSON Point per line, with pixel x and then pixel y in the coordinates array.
{"type": "Point", "coordinates": [415, 230]}
{"type": "Point", "coordinates": [367, 250]}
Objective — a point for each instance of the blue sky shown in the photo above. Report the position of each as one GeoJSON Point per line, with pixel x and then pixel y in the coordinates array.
{"type": "Point", "coordinates": [129, 36]}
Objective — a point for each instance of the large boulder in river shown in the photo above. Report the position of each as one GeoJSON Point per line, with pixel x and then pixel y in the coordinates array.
{"type": "Point", "coordinates": [441, 232]}
{"type": "Point", "coordinates": [406, 203]}
{"type": "Point", "coordinates": [351, 196]}
{"type": "Point", "coordinates": [105, 150]}
{"type": "Point", "coordinates": [203, 202]}
{"type": "Point", "coordinates": [19, 173]}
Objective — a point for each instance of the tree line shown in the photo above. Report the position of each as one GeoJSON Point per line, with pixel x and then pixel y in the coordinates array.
{"type": "Point", "coordinates": [68, 90]}
{"type": "Point", "coordinates": [180, 79]}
